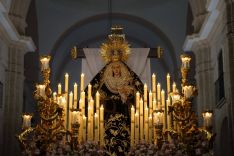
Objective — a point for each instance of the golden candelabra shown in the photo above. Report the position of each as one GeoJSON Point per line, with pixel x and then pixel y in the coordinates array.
{"type": "Point", "coordinates": [62, 127]}
{"type": "Point", "coordinates": [173, 120]}
{"type": "Point", "coordinates": [51, 126]}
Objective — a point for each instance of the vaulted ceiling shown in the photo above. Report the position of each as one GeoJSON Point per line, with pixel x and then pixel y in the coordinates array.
{"type": "Point", "coordinates": [86, 23]}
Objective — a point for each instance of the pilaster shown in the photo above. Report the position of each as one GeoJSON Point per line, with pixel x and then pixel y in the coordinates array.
{"type": "Point", "coordinates": [204, 79]}
{"type": "Point", "coordinates": [13, 98]}
{"type": "Point", "coordinates": [230, 37]}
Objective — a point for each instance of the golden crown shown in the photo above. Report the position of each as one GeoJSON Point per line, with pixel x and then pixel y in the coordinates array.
{"type": "Point", "coordinates": [115, 48]}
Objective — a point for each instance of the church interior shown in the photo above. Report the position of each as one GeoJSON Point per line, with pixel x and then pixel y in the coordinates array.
{"type": "Point", "coordinates": [126, 77]}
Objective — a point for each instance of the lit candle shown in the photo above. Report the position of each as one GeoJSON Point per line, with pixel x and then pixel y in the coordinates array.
{"type": "Point", "coordinates": [96, 123]}
{"type": "Point", "coordinates": [168, 83]}
{"type": "Point", "coordinates": [137, 102]}
{"type": "Point", "coordinates": [59, 88]}
{"type": "Point", "coordinates": [154, 105]}
{"type": "Point", "coordinates": [154, 86]}
{"type": "Point", "coordinates": [92, 117]}
{"type": "Point", "coordinates": [84, 127]}
{"type": "Point", "coordinates": [97, 103]}
{"type": "Point", "coordinates": [145, 94]}
{"type": "Point", "coordinates": [136, 128]}
{"type": "Point", "coordinates": [66, 82]}
{"type": "Point", "coordinates": [89, 91]}
{"type": "Point", "coordinates": [75, 117]}
{"type": "Point", "coordinates": [89, 123]}
{"type": "Point", "coordinates": [83, 102]}
{"type": "Point", "coordinates": [168, 115]}
{"type": "Point", "coordinates": [150, 103]}
{"type": "Point", "coordinates": [41, 90]}
{"type": "Point", "coordinates": [159, 95]}
{"type": "Point", "coordinates": [70, 100]}
{"type": "Point", "coordinates": [163, 108]}
{"type": "Point", "coordinates": [80, 138]}
{"type": "Point", "coordinates": [174, 87]}
{"type": "Point", "coordinates": [75, 95]}
{"type": "Point", "coordinates": [101, 125]}
{"type": "Point", "coordinates": [62, 103]}
{"type": "Point", "coordinates": [70, 106]}
{"type": "Point", "coordinates": [132, 125]}
{"type": "Point", "coordinates": [207, 119]}
{"type": "Point", "coordinates": [141, 120]}
{"type": "Point", "coordinates": [82, 82]}
{"type": "Point", "coordinates": [54, 97]}
{"type": "Point", "coordinates": [163, 100]}
{"type": "Point", "coordinates": [45, 62]}
{"type": "Point", "coordinates": [154, 129]}
{"type": "Point", "coordinates": [26, 121]}
{"type": "Point", "coordinates": [159, 91]}
{"type": "Point", "coordinates": [150, 128]}
{"type": "Point", "coordinates": [146, 127]}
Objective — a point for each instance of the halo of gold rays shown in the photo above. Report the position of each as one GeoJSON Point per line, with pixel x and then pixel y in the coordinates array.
{"type": "Point", "coordinates": [116, 48]}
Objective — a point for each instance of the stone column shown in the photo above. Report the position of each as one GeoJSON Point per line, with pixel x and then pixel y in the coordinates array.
{"type": "Point", "coordinates": [230, 37]}
{"type": "Point", "coordinates": [13, 98]}
{"type": "Point", "coordinates": [204, 77]}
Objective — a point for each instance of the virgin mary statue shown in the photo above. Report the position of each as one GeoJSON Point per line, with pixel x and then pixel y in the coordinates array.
{"type": "Point", "coordinates": [117, 85]}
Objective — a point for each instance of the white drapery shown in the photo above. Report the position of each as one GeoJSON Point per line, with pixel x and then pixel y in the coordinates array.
{"type": "Point", "coordinates": [137, 62]}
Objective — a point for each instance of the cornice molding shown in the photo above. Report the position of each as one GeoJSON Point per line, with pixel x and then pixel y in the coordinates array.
{"type": "Point", "coordinates": [207, 27]}
{"type": "Point", "coordinates": [11, 32]}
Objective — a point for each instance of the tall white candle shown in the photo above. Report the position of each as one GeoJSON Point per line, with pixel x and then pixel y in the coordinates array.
{"type": "Point", "coordinates": [66, 82]}
{"type": "Point", "coordinates": [168, 115]}
{"type": "Point", "coordinates": [150, 103]}
{"type": "Point", "coordinates": [70, 108]}
{"type": "Point", "coordinates": [141, 120]}
{"type": "Point", "coordinates": [138, 101]}
{"type": "Point", "coordinates": [146, 126]}
{"type": "Point", "coordinates": [83, 102]}
{"type": "Point", "coordinates": [163, 108]}
{"type": "Point", "coordinates": [84, 128]}
{"type": "Point", "coordinates": [102, 126]}
{"type": "Point", "coordinates": [137, 128]}
{"type": "Point", "coordinates": [97, 102]}
{"type": "Point", "coordinates": [145, 94]}
{"type": "Point", "coordinates": [54, 97]}
{"type": "Point", "coordinates": [96, 127]}
{"type": "Point", "coordinates": [80, 138]}
{"type": "Point", "coordinates": [174, 87]}
{"type": "Point", "coordinates": [89, 91]}
{"type": "Point", "coordinates": [154, 105]}
{"type": "Point", "coordinates": [150, 128]}
{"type": "Point", "coordinates": [82, 82]}
{"type": "Point", "coordinates": [89, 123]}
{"type": "Point", "coordinates": [59, 88]}
{"type": "Point", "coordinates": [75, 117]}
{"type": "Point", "coordinates": [132, 125]}
{"type": "Point", "coordinates": [154, 86]}
{"type": "Point", "coordinates": [92, 117]}
{"type": "Point", "coordinates": [75, 95]}
{"type": "Point", "coordinates": [168, 83]}
{"type": "Point", "coordinates": [159, 91]}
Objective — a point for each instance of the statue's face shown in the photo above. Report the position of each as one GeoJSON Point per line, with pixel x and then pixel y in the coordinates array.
{"type": "Point", "coordinates": [116, 55]}
{"type": "Point", "coordinates": [116, 70]}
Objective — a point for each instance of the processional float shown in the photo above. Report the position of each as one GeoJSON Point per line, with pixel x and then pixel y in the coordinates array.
{"type": "Point", "coordinates": [161, 122]}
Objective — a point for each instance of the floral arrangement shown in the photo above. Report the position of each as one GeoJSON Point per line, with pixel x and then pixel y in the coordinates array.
{"type": "Point", "coordinates": [60, 148]}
